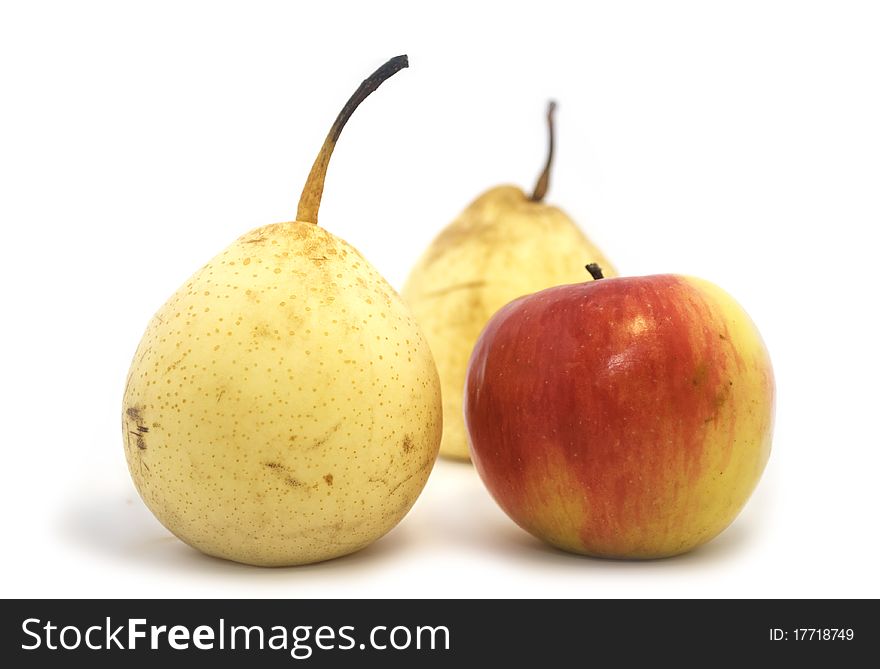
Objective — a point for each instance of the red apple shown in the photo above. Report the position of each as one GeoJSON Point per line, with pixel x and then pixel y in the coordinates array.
{"type": "Point", "coordinates": [626, 417]}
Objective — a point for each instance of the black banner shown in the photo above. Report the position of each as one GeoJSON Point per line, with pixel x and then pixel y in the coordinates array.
{"type": "Point", "coordinates": [409, 633]}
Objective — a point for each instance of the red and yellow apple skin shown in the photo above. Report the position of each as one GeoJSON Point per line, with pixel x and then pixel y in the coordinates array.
{"type": "Point", "coordinates": [625, 418]}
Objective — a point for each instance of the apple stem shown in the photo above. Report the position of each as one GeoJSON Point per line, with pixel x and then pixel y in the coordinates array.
{"type": "Point", "coordinates": [544, 180]}
{"type": "Point", "coordinates": [310, 200]}
{"type": "Point", "coordinates": [595, 271]}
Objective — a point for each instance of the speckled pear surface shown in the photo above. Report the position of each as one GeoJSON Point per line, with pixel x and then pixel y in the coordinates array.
{"type": "Point", "coordinates": [283, 406]}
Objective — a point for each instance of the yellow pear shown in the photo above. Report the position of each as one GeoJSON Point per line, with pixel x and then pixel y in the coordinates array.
{"type": "Point", "coordinates": [283, 406]}
{"type": "Point", "coordinates": [504, 245]}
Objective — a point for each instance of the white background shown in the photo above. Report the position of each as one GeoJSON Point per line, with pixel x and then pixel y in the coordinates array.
{"type": "Point", "coordinates": [735, 141]}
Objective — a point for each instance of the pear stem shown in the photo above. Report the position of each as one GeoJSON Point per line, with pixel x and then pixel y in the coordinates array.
{"type": "Point", "coordinates": [595, 271]}
{"type": "Point", "coordinates": [310, 200]}
{"type": "Point", "coordinates": [544, 180]}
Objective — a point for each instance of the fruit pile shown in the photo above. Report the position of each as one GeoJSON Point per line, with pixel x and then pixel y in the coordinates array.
{"type": "Point", "coordinates": [286, 406]}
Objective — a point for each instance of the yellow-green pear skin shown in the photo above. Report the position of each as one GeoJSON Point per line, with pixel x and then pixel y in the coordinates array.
{"type": "Point", "coordinates": [502, 246]}
{"type": "Point", "coordinates": [283, 406]}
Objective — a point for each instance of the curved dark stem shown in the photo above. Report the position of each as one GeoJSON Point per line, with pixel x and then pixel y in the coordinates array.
{"type": "Point", "coordinates": [595, 271]}
{"type": "Point", "coordinates": [310, 200]}
{"type": "Point", "coordinates": [544, 180]}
